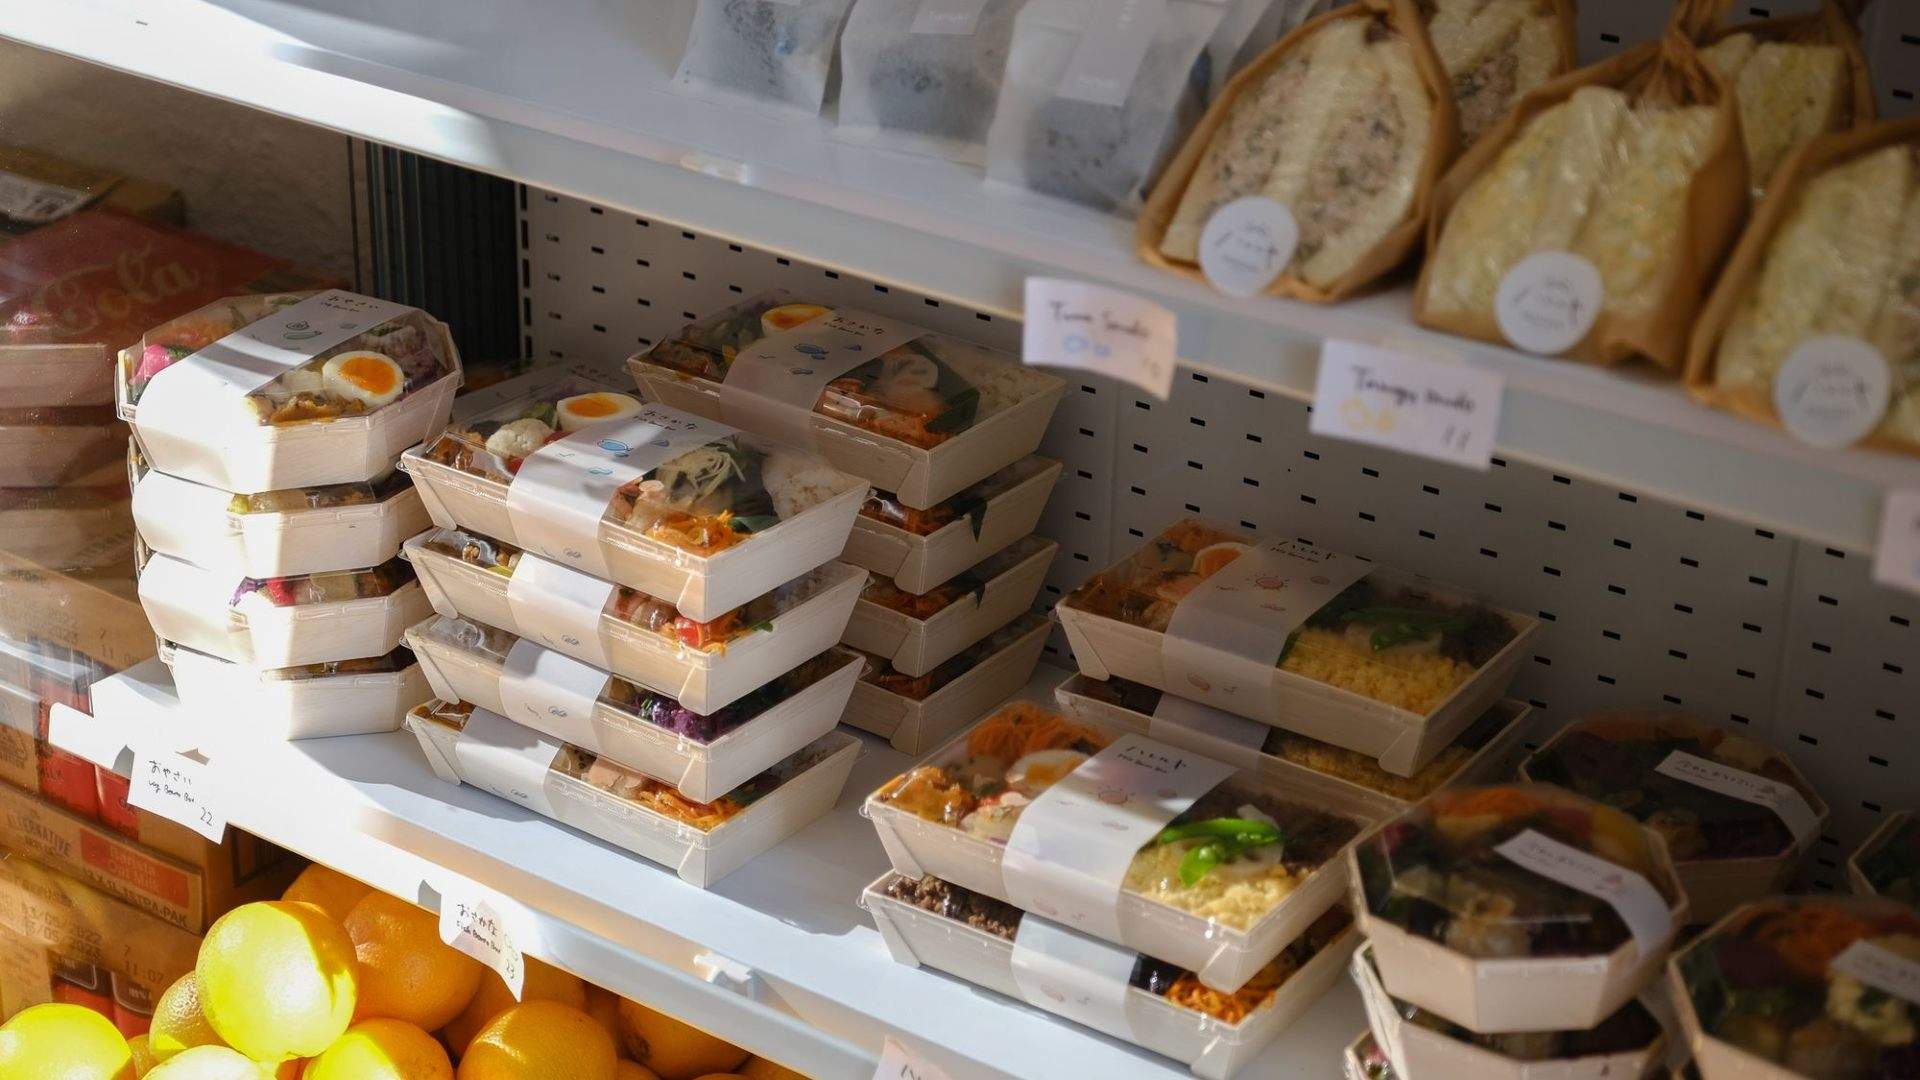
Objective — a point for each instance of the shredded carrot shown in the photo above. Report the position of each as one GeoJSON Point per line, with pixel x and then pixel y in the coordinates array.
{"type": "Point", "coordinates": [1808, 937]}
{"type": "Point", "coordinates": [1023, 728]}
{"type": "Point", "coordinates": [1503, 802]}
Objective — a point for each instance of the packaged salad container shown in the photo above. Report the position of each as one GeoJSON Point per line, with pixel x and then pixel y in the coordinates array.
{"type": "Point", "coordinates": [290, 390]}
{"type": "Point", "coordinates": [669, 503]}
{"type": "Point", "coordinates": [310, 701]}
{"type": "Point", "coordinates": [918, 633]}
{"type": "Point", "coordinates": [705, 666]}
{"type": "Point", "coordinates": [1231, 868]}
{"type": "Point", "coordinates": [275, 533]}
{"type": "Point", "coordinates": [926, 418]}
{"type": "Point", "coordinates": [1486, 751]}
{"type": "Point", "coordinates": [283, 621]}
{"type": "Point", "coordinates": [1808, 987]}
{"type": "Point", "coordinates": [916, 713]}
{"type": "Point", "coordinates": [1360, 656]}
{"type": "Point", "coordinates": [922, 549]}
{"type": "Point", "coordinates": [1888, 864]}
{"type": "Point", "coordinates": [1628, 1045]}
{"type": "Point", "coordinates": [49, 445]}
{"type": "Point", "coordinates": [928, 922]}
{"type": "Point", "coordinates": [702, 842]}
{"type": "Point", "coordinates": [1516, 908]}
{"type": "Point", "coordinates": [1737, 817]}
{"type": "Point", "coordinates": [703, 756]}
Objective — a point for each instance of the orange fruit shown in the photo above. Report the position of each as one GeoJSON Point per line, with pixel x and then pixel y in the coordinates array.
{"type": "Point", "coordinates": [178, 1023]}
{"type": "Point", "coordinates": [759, 1068]}
{"type": "Point", "coordinates": [327, 889]}
{"type": "Point", "coordinates": [627, 1070]}
{"type": "Point", "coordinates": [63, 1042]}
{"type": "Point", "coordinates": [540, 1040]}
{"type": "Point", "coordinates": [382, 1050]}
{"type": "Point", "coordinates": [406, 971]}
{"type": "Point", "coordinates": [544, 982]}
{"type": "Point", "coordinates": [276, 980]}
{"type": "Point", "coordinates": [675, 1050]}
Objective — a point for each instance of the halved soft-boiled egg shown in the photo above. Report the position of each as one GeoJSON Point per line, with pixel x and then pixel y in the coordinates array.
{"type": "Point", "coordinates": [785, 317]}
{"type": "Point", "coordinates": [1041, 769]}
{"type": "Point", "coordinates": [599, 407]}
{"type": "Point", "coordinates": [368, 377]}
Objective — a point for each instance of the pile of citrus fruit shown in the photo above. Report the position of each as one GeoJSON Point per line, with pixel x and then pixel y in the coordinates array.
{"type": "Point", "coordinates": [336, 981]}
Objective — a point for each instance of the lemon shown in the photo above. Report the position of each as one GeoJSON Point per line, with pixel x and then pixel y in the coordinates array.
{"type": "Point", "coordinates": [327, 889]}
{"type": "Point", "coordinates": [209, 1063]}
{"type": "Point", "coordinates": [543, 982]}
{"type": "Point", "coordinates": [540, 1040]}
{"type": "Point", "coordinates": [143, 1059]}
{"type": "Point", "coordinates": [627, 1070]}
{"type": "Point", "coordinates": [406, 971]}
{"type": "Point", "coordinates": [759, 1068]}
{"type": "Point", "coordinates": [178, 1022]}
{"type": "Point", "coordinates": [63, 1042]}
{"type": "Point", "coordinates": [675, 1050]}
{"type": "Point", "coordinates": [382, 1050]}
{"type": "Point", "coordinates": [276, 979]}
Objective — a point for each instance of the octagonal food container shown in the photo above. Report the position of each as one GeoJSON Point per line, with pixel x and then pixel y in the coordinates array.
{"type": "Point", "coordinates": [313, 701]}
{"type": "Point", "coordinates": [922, 549]}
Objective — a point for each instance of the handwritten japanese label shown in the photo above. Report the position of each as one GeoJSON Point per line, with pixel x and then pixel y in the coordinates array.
{"type": "Point", "coordinates": [1549, 302]}
{"type": "Point", "coordinates": [947, 16]}
{"type": "Point", "coordinates": [1072, 324]}
{"type": "Point", "coordinates": [1896, 559]}
{"type": "Point", "coordinates": [1246, 244]}
{"type": "Point", "coordinates": [471, 926]}
{"type": "Point", "coordinates": [1832, 391]}
{"type": "Point", "coordinates": [1881, 968]}
{"type": "Point", "coordinates": [176, 788]}
{"type": "Point", "coordinates": [1447, 412]}
{"type": "Point", "coordinates": [1631, 896]}
{"type": "Point", "coordinates": [1111, 49]}
{"type": "Point", "coordinates": [899, 1063]}
{"type": "Point", "coordinates": [1785, 802]}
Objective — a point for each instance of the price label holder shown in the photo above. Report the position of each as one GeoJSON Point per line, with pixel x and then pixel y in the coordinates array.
{"type": "Point", "coordinates": [177, 788]}
{"type": "Point", "coordinates": [897, 1062]}
{"type": "Point", "coordinates": [1392, 399]}
{"type": "Point", "coordinates": [1896, 560]}
{"type": "Point", "coordinates": [471, 925]}
{"type": "Point", "coordinates": [1073, 324]}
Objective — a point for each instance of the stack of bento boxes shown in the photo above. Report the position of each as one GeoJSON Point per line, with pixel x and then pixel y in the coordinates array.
{"type": "Point", "coordinates": [269, 510]}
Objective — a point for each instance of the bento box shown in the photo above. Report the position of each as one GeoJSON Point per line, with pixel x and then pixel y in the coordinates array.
{"type": "Point", "coordinates": [1628, 1045]}
{"type": "Point", "coordinates": [1213, 888]}
{"type": "Point", "coordinates": [928, 922]}
{"type": "Point", "coordinates": [702, 665]}
{"type": "Point", "coordinates": [1484, 752]}
{"type": "Point", "coordinates": [916, 713]}
{"type": "Point", "coordinates": [64, 528]}
{"type": "Point", "coordinates": [60, 445]}
{"type": "Point", "coordinates": [922, 549]}
{"type": "Point", "coordinates": [702, 756]}
{"type": "Point", "coordinates": [1364, 657]}
{"type": "Point", "coordinates": [1738, 818]}
{"type": "Point", "coordinates": [288, 390]}
{"type": "Point", "coordinates": [702, 842]}
{"type": "Point", "coordinates": [666, 502]}
{"type": "Point", "coordinates": [284, 621]}
{"type": "Point", "coordinates": [311, 701]}
{"type": "Point", "coordinates": [1365, 1060]}
{"type": "Point", "coordinates": [920, 414]}
{"type": "Point", "coordinates": [1888, 862]}
{"type": "Point", "coordinates": [917, 633]}
{"type": "Point", "coordinates": [1515, 908]}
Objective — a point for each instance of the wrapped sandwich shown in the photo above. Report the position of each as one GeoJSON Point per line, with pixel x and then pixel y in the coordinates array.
{"type": "Point", "coordinates": [1496, 51]}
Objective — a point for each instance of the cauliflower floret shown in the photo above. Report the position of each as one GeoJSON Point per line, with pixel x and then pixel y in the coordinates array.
{"type": "Point", "coordinates": [518, 438]}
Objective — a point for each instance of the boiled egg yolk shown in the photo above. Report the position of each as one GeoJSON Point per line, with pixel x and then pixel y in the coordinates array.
{"type": "Point", "coordinates": [368, 377]}
{"type": "Point", "coordinates": [583, 410]}
{"type": "Point", "coordinates": [777, 320]}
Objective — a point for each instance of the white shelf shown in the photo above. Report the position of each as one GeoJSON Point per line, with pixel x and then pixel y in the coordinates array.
{"type": "Point", "coordinates": [571, 98]}
{"type": "Point", "coordinates": [824, 991]}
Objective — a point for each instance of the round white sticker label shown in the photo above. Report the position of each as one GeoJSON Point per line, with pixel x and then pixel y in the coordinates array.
{"type": "Point", "coordinates": [1832, 390]}
{"type": "Point", "coordinates": [1549, 302]}
{"type": "Point", "coordinates": [1246, 244]}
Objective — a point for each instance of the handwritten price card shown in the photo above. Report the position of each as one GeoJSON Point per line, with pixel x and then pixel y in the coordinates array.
{"type": "Point", "coordinates": [899, 1063]}
{"type": "Point", "coordinates": [1072, 324]}
{"type": "Point", "coordinates": [176, 788]}
{"type": "Point", "coordinates": [473, 927]}
{"type": "Point", "coordinates": [1367, 394]}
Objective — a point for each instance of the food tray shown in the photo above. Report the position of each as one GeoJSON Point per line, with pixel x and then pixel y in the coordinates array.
{"type": "Point", "coordinates": [1895, 825]}
{"type": "Point", "coordinates": [465, 662]}
{"type": "Point", "coordinates": [1002, 665]}
{"type": "Point", "coordinates": [813, 504]}
{"type": "Point", "coordinates": [1487, 749]}
{"type": "Point", "coordinates": [701, 857]}
{"type": "Point", "coordinates": [977, 603]}
{"type": "Point", "coordinates": [978, 522]}
{"type": "Point", "coordinates": [289, 703]}
{"type": "Point", "coordinates": [199, 608]}
{"type": "Point", "coordinates": [805, 618]}
{"type": "Point", "coordinates": [60, 446]}
{"type": "Point", "coordinates": [68, 528]}
{"type": "Point", "coordinates": [1223, 956]}
{"type": "Point", "coordinates": [1355, 1060]}
{"type": "Point", "coordinates": [1213, 1048]}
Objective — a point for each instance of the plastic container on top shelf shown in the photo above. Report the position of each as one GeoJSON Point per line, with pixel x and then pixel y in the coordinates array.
{"type": "Point", "coordinates": [291, 390]}
{"type": "Point", "coordinates": [919, 712]}
{"type": "Point", "coordinates": [917, 633]}
{"type": "Point", "coordinates": [1888, 863]}
{"type": "Point", "coordinates": [927, 417]}
{"type": "Point", "coordinates": [1234, 877]}
{"type": "Point", "coordinates": [703, 756]}
{"type": "Point", "coordinates": [922, 549]}
{"type": "Point", "coordinates": [1327, 645]}
{"type": "Point", "coordinates": [1516, 908]}
{"type": "Point", "coordinates": [310, 701]}
{"type": "Point", "coordinates": [703, 665]}
{"type": "Point", "coordinates": [666, 502]}
{"type": "Point", "coordinates": [702, 842]}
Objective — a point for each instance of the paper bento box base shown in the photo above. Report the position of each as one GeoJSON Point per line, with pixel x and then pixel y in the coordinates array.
{"type": "Point", "coordinates": [1717, 1059]}
{"type": "Point", "coordinates": [917, 646]}
{"type": "Point", "coordinates": [1352, 1059]}
{"type": "Point", "coordinates": [915, 727]}
{"type": "Point", "coordinates": [235, 701]}
{"type": "Point", "coordinates": [918, 564]}
{"type": "Point", "coordinates": [1856, 877]}
{"type": "Point", "coordinates": [1214, 1049]}
{"type": "Point", "coordinates": [196, 614]}
{"type": "Point", "coordinates": [190, 521]}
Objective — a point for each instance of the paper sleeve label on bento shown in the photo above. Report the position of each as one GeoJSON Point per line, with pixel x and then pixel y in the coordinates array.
{"type": "Point", "coordinates": [772, 387]}
{"type": "Point", "coordinates": [1632, 897]}
{"type": "Point", "coordinates": [1784, 801]}
{"type": "Point", "coordinates": [1070, 974]}
{"type": "Point", "coordinates": [559, 608]}
{"type": "Point", "coordinates": [552, 692]}
{"type": "Point", "coordinates": [497, 755]}
{"type": "Point", "coordinates": [1882, 969]}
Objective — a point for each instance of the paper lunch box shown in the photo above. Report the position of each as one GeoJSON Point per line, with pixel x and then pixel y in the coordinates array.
{"type": "Point", "coordinates": [922, 549]}
{"type": "Point", "coordinates": [1888, 863]}
{"type": "Point", "coordinates": [917, 713]}
{"type": "Point", "coordinates": [974, 411]}
{"type": "Point", "coordinates": [1116, 624]}
{"type": "Point", "coordinates": [1223, 955]}
{"type": "Point", "coordinates": [702, 842]}
{"type": "Point", "coordinates": [60, 446]}
{"type": "Point", "coordinates": [725, 517]}
{"type": "Point", "coordinates": [1214, 1048]}
{"type": "Point", "coordinates": [704, 666]}
{"type": "Point", "coordinates": [465, 661]}
{"type": "Point", "coordinates": [888, 621]}
{"type": "Point", "coordinates": [281, 622]}
{"type": "Point", "coordinates": [316, 701]}
{"type": "Point", "coordinates": [352, 382]}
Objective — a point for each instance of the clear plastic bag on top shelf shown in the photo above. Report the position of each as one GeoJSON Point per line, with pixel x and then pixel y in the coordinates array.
{"type": "Point", "coordinates": [770, 52]}
{"type": "Point", "coordinates": [924, 75]}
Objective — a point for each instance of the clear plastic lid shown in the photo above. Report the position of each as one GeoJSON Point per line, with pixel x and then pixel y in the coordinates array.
{"type": "Point", "coordinates": [1615, 759]}
{"type": "Point", "coordinates": [1232, 857]}
{"type": "Point", "coordinates": [707, 500]}
{"type": "Point", "coordinates": [328, 588]}
{"type": "Point", "coordinates": [1435, 873]}
{"type": "Point", "coordinates": [971, 582]}
{"type": "Point", "coordinates": [370, 370]}
{"type": "Point", "coordinates": [882, 674]}
{"type": "Point", "coordinates": [1781, 980]}
{"type": "Point", "coordinates": [970, 505]}
{"type": "Point", "coordinates": [1892, 865]}
{"type": "Point", "coordinates": [921, 393]}
{"type": "Point", "coordinates": [288, 500]}
{"type": "Point", "coordinates": [398, 660]}
{"type": "Point", "coordinates": [1385, 637]}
